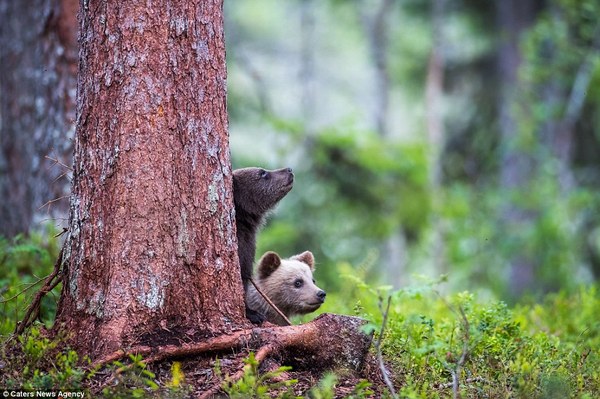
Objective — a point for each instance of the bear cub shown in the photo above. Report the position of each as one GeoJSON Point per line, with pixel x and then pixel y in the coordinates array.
{"type": "Point", "coordinates": [255, 192]}
{"type": "Point", "coordinates": [288, 283]}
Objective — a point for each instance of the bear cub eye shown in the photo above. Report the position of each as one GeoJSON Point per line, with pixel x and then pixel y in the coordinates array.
{"type": "Point", "coordinates": [298, 283]}
{"type": "Point", "coordinates": [263, 174]}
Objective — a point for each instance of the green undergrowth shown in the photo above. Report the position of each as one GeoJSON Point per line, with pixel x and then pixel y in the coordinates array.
{"type": "Point", "coordinates": [549, 349]}
{"type": "Point", "coordinates": [24, 263]}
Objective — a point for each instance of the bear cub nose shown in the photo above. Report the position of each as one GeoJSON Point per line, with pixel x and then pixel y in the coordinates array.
{"type": "Point", "coordinates": [321, 295]}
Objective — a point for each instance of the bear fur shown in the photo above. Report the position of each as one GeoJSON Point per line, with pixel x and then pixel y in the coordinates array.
{"type": "Point", "coordinates": [288, 283]}
{"type": "Point", "coordinates": [256, 191]}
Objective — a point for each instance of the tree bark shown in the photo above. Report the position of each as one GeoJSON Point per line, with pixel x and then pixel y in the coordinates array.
{"type": "Point", "coordinates": [151, 250]}
{"type": "Point", "coordinates": [38, 51]}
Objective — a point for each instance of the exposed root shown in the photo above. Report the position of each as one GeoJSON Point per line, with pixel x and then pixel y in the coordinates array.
{"type": "Point", "coordinates": [330, 341]}
{"type": "Point", "coordinates": [222, 342]}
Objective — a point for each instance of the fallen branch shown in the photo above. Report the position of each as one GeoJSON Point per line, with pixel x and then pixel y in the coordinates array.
{"type": "Point", "coordinates": [50, 283]}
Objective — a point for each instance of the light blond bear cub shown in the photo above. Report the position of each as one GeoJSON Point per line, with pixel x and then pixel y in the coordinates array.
{"type": "Point", "coordinates": [288, 283]}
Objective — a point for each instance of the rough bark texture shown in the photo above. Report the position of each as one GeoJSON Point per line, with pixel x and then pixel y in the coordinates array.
{"type": "Point", "coordinates": [38, 53]}
{"type": "Point", "coordinates": [151, 245]}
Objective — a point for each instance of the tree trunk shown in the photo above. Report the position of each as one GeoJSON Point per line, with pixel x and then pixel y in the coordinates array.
{"type": "Point", "coordinates": [513, 17]}
{"type": "Point", "coordinates": [308, 96]}
{"type": "Point", "coordinates": [434, 93]}
{"type": "Point", "coordinates": [38, 51]}
{"type": "Point", "coordinates": [377, 29]}
{"type": "Point", "coordinates": [151, 252]}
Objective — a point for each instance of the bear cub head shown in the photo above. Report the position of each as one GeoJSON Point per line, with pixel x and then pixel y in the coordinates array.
{"type": "Point", "coordinates": [289, 284]}
{"type": "Point", "coordinates": [256, 190]}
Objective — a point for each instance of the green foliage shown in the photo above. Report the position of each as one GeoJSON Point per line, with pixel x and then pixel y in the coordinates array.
{"type": "Point", "coordinates": [480, 241]}
{"type": "Point", "coordinates": [361, 189]}
{"type": "Point", "coordinates": [133, 380]}
{"type": "Point", "coordinates": [325, 389]}
{"type": "Point", "coordinates": [40, 365]}
{"type": "Point", "coordinates": [257, 385]}
{"type": "Point", "coordinates": [545, 349]}
{"type": "Point", "coordinates": [24, 262]}
{"type": "Point", "coordinates": [356, 191]}
{"type": "Point", "coordinates": [538, 350]}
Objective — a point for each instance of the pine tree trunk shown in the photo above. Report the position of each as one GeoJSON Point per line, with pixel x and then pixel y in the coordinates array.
{"type": "Point", "coordinates": [516, 170]}
{"type": "Point", "coordinates": [38, 51]}
{"type": "Point", "coordinates": [151, 252]}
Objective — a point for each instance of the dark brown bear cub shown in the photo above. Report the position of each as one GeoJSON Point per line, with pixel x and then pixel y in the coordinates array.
{"type": "Point", "coordinates": [255, 192]}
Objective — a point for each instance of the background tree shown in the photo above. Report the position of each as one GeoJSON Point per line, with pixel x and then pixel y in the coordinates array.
{"type": "Point", "coordinates": [514, 18]}
{"type": "Point", "coordinates": [38, 53]}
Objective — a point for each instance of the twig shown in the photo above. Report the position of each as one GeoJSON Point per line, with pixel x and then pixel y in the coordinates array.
{"type": "Point", "coordinates": [259, 357]}
{"type": "Point", "coordinates": [57, 162]}
{"type": "Point", "coordinates": [34, 307]}
{"type": "Point", "coordinates": [382, 367]}
{"type": "Point", "coordinates": [48, 203]}
{"type": "Point", "coordinates": [463, 356]}
{"type": "Point", "coordinates": [266, 298]}
{"type": "Point", "coordinates": [64, 230]}
{"type": "Point", "coordinates": [24, 290]}
{"type": "Point", "coordinates": [467, 381]}
{"type": "Point", "coordinates": [466, 326]}
{"type": "Point", "coordinates": [61, 176]}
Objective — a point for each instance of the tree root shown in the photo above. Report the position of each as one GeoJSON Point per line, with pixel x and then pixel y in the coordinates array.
{"type": "Point", "coordinates": [330, 341]}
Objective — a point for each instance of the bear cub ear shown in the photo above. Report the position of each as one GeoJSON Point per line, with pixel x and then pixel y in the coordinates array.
{"type": "Point", "coordinates": [306, 257]}
{"type": "Point", "coordinates": [267, 264]}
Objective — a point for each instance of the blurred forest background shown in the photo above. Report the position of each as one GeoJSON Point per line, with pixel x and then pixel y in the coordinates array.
{"type": "Point", "coordinates": [456, 137]}
{"type": "Point", "coordinates": [428, 138]}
